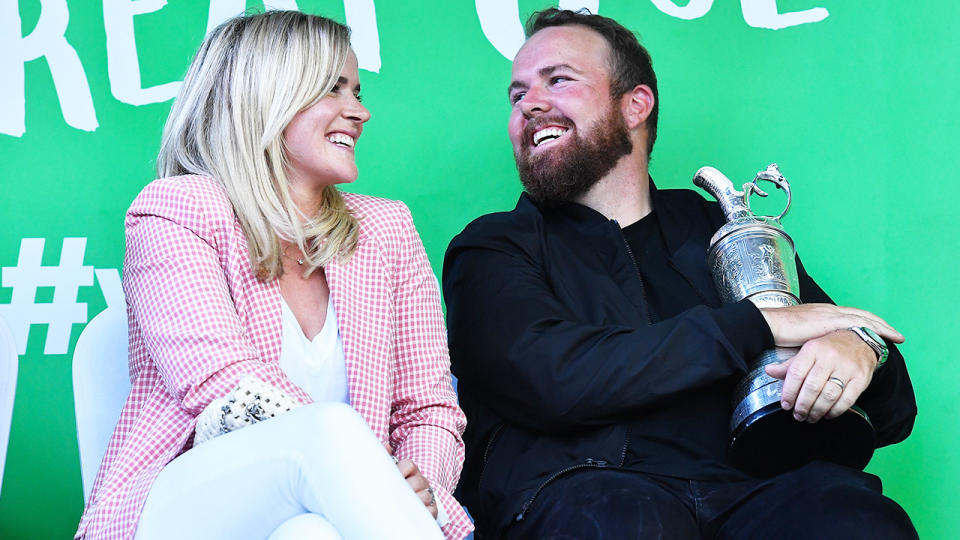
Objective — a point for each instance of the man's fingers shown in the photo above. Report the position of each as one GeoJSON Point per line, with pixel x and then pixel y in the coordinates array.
{"type": "Point", "coordinates": [810, 387]}
{"type": "Point", "coordinates": [796, 372]}
{"type": "Point", "coordinates": [778, 371]}
{"type": "Point", "coordinates": [829, 395]}
{"type": "Point", "coordinates": [839, 369]}
{"type": "Point", "coordinates": [853, 389]}
{"type": "Point", "coordinates": [875, 323]}
{"type": "Point", "coordinates": [888, 332]}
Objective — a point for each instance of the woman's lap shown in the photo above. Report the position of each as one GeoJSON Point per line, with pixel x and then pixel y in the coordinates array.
{"type": "Point", "coordinates": [320, 459]}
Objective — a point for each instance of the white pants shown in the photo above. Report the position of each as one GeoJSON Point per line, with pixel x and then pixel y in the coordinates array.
{"type": "Point", "coordinates": [315, 472]}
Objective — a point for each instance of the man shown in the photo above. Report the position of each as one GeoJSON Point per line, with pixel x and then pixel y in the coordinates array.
{"type": "Point", "coordinates": [595, 360]}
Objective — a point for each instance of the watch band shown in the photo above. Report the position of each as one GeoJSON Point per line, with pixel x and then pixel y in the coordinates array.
{"type": "Point", "coordinates": [875, 342]}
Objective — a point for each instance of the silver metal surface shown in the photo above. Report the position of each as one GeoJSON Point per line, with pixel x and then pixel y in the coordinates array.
{"type": "Point", "coordinates": [757, 376]}
{"type": "Point", "coordinates": [755, 259]}
{"type": "Point", "coordinates": [754, 401]}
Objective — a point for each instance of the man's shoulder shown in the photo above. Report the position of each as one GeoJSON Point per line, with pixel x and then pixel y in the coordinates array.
{"type": "Point", "coordinates": [522, 221]}
{"type": "Point", "coordinates": [683, 196]}
{"type": "Point", "coordinates": [689, 203]}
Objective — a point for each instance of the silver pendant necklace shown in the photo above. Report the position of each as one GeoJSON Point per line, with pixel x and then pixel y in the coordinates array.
{"type": "Point", "coordinates": [299, 259]}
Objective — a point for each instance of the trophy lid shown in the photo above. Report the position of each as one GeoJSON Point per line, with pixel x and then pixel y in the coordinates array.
{"type": "Point", "coordinates": [736, 204]}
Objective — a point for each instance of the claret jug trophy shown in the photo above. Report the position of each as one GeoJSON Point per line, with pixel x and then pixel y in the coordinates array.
{"type": "Point", "coordinates": [753, 257]}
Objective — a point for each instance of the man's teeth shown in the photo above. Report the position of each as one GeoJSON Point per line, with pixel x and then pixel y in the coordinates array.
{"type": "Point", "coordinates": [547, 133]}
{"type": "Point", "coordinates": [341, 139]}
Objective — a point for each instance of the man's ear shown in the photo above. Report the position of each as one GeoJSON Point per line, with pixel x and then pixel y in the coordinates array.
{"type": "Point", "coordinates": [637, 104]}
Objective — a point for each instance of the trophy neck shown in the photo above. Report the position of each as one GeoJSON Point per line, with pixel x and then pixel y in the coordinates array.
{"type": "Point", "coordinates": [721, 188]}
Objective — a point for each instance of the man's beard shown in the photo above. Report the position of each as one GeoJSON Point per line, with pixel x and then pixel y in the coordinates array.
{"type": "Point", "coordinates": [564, 173]}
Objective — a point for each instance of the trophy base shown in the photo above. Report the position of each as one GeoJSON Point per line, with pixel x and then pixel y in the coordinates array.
{"type": "Point", "coordinates": [770, 441]}
{"type": "Point", "coordinates": [766, 440]}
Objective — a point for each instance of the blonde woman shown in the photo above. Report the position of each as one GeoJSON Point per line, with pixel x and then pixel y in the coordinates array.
{"type": "Point", "coordinates": [254, 286]}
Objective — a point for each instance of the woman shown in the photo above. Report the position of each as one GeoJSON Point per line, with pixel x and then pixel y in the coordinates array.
{"type": "Point", "coordinates": [245, 263]}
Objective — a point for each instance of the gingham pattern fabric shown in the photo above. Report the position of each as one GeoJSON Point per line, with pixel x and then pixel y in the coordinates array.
{"type": "Point", "coordinates": [199, 320]}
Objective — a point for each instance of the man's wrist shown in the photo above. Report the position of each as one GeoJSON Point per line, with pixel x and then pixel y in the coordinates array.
{"type": "Point", "coordinates": [874, 341]}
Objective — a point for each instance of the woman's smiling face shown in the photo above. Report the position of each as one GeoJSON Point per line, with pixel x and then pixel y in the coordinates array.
{"type": "Point", "coordinates": [320, 139]}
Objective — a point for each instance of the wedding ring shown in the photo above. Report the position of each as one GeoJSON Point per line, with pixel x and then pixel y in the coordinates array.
{"type": "Point", "coordinates": [433, 498]}
{"type": "Point", "coordinates": [837, 381]}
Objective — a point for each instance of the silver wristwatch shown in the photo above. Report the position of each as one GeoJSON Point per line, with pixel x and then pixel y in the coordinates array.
{"type": "Point", "coordinates": [875, 342]}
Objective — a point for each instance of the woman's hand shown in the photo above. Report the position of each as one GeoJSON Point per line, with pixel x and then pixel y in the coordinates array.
{"type": "Point", "coordinates": [419, 485]}
{"type": "Point", "coordinates": [416, 481]}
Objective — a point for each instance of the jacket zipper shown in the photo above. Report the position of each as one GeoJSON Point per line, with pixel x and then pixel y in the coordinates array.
{"type": "Point", "coordinates": [589, 464]}
{"type": "Point", "coordinates": [486, 452]}
{"type": "Point", "coordinates": [643, 287]}
{"type": "Point", "coordinates": [623, 451]}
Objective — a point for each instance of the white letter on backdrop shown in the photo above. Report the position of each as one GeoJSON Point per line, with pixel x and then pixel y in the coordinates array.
{"type": "Point", "coordinates": [763, 14]}
{"type": "Point", "coordinates": [500, 22]}
{"type": "Point", "coordinates": [693, 10]}
{"type": "Point", "coordinates": [123, 64]}
{"type": "Point", "coordinates": [361, 18]}
{"type": "Point", "coordinates": [46, 40]}
{"type": "Point", "coordinates": [221, 10]}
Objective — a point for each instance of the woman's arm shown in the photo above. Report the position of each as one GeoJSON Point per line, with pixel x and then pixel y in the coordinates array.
{"type": "Point", "coordinates": [181, 244]}
{"type": "Point", "coordinates": [426, 422]}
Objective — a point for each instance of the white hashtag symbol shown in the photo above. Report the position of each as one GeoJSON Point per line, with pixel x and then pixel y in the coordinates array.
{"type": "Point", "coordinates": [65, 279]}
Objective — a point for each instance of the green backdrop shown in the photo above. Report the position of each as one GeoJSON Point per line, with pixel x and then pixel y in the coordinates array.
{"type": "Point", "coordinates": [858, 105]}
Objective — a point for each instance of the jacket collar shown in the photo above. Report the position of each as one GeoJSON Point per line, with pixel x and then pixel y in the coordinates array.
{"type": "Point", "coordinates": [687, 251]}
{"type": "Point", "coordinates": [675, 226]}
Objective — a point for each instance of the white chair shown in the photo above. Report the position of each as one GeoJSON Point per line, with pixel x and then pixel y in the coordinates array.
{"type": "Point", "coordinates": [101, 379]}
{"type": "Point", "coordinates": [8, 387]}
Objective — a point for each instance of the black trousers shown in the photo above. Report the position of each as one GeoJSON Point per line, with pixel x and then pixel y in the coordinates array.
{"type": "Point", "coordinates": [818, 501]}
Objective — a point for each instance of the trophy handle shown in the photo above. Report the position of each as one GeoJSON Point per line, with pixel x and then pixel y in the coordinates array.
{"type": "Point", "coordinates": [770, 174]}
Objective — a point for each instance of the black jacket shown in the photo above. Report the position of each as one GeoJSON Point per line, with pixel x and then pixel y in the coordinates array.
{"type": "Point", "coordinates": [555, 352]}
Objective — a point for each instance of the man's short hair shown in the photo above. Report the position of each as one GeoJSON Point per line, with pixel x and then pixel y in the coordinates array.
{"type": "Point", "coordinates": [630, 63]}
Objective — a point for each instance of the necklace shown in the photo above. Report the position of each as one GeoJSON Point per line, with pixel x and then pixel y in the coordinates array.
{"type": "Point", "coordinates": [299, 259]}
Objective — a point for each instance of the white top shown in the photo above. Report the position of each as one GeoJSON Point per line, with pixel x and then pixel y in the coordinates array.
{"type": "Point", "coordinates": [318, 366]}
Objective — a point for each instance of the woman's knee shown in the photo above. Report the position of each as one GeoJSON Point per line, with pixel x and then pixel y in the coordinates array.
{"type": "Point", "coordinates": [331, 425]}
{"type": "Point", "coordinates": [332, 417]}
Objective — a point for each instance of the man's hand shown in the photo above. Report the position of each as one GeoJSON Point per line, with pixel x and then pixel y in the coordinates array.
{"type": "Point", "coordinates": [796, 325]}
{"type": "Point", "coordinates": [826, 377]}
{"type": "Point", "coordinates": [419, 485]}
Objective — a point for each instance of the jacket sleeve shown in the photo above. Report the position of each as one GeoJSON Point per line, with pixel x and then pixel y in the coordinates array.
{"type": "Point", "coordinates": [180, 301]}
{"type": "Point", "coordinates": [426, 423]}
{"type": "Point", "coordinates": [544, 367]}
{"type": "Point", "coordinates": [889, 401]}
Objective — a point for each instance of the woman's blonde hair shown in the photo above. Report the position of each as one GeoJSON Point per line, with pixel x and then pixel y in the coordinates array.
{"type": "Point", "coordinates": [251, 76]}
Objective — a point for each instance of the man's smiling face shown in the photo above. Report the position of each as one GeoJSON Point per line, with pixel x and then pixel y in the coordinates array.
{"type": "Point", "coordinates": [567, 131]}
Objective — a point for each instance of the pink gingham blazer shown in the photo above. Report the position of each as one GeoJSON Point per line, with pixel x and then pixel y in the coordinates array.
{"type": "Point", "coordinates": [200, 319]}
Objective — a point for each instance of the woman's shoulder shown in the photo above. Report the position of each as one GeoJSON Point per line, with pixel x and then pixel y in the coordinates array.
{"type": "Point", "coordinates": [190, 200]}
{"type": "Point", "coordinates": [377, 214]}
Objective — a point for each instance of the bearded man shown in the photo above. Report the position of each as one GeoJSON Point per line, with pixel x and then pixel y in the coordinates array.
{"type": "Point", "coordinates": [595, 360]}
